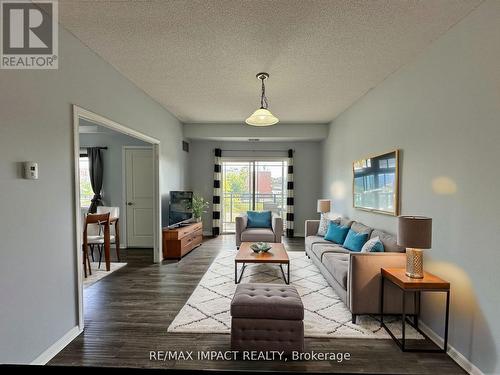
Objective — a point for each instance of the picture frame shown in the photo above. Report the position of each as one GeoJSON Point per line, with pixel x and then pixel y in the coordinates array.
{"type": "Point", "coordinates": [375, 184]}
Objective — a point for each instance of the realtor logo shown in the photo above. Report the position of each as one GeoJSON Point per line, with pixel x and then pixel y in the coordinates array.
{"type": "Point", "coordinates": [29, 34]}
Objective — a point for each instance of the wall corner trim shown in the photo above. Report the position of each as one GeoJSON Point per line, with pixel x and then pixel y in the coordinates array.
{"type": "Point", "coordinates": [55, 348]}
{"type": "Point", "coordinates": [458, 357]}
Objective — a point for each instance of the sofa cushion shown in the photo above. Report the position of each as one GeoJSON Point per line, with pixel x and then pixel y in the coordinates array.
{"type": "Point", "coordinates": [355, 241]}
{"type": "Point", "coordinates": [337, 265]}
{"type": "Point", "coordinates": [336, 233]}
{"type": "Point", "coordinates": [257, 234]}
{"type": "Point", "coordinates": [319, 250]}
{"type": "Point", "coordinates": [267, 301]}
{"type": "Point", "coordinates": [361, 228]}
{"type": "Point", "coordinates": [388, 240]}
{"type": "Point", "coordinates": [259, 219]}
{"type": "Point", "coordinates": [310, 241]}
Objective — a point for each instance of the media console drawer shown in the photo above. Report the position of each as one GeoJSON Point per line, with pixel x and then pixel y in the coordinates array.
{"type": "Point", "coordinates": [180, 241]}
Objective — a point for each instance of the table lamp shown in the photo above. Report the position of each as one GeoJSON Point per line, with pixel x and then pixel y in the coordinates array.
{"type": "Point", "coordinates": [323, 206]}
{"type": "Point", "coordinates": [414, 233]}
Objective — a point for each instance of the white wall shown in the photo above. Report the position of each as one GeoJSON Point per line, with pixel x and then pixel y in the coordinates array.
{"type": "Point", "coordinates": [112, 185]}
{"type": "Point", "coordinates": [37, 254]}
{"type": "Point", "coordinates": [443, 112]}
{"type": "Point", "coordinates": [307, 173]}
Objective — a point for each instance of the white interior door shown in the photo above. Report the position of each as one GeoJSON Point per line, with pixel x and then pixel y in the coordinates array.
{"type": "Point", "coordinates": [139, 197]}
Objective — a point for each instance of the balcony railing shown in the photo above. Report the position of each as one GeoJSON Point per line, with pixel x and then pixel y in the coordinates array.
{"type": "Point", "coordinates": [236, 204]}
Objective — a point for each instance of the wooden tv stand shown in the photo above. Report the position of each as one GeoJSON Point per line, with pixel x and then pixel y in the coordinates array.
{"type": "Point", "coordinates": [179, 241]}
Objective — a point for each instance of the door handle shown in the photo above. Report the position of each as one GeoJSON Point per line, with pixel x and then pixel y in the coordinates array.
{"type": "Point", "coordinates": [129, 203]}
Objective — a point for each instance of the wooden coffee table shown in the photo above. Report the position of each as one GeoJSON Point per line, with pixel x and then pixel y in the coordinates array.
{"type": "Point", "coordinates": [277, 255]}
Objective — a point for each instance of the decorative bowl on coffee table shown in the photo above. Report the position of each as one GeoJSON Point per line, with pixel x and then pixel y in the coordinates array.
{"type": "Point", "coordinates": [259, 247]}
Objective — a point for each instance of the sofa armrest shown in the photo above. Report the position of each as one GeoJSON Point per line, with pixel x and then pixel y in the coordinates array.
{"type": "Point", "coordinates": [311, 227]}
{"type": "Point", "coordinates": [277, 224]}
{"type": "Point", "coordinates": [364, 282]}
{"type": "Point", "coordinates": [241, 225]}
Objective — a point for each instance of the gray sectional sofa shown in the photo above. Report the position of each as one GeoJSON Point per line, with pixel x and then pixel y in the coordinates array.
{"type": "Point", "coordinates": [355, 276]}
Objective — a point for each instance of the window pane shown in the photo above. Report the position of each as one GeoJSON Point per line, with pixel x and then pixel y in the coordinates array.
{"type": "Point", "coordinates": [236, 190]}
{"type": "Point", "coordinates": [238, 194]}
{"type": "Point", "coordinates": [269, 188]}
{"type": "Point", "coordinates": [86, 193]}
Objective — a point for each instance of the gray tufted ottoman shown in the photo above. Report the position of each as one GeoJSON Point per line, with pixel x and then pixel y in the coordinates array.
{"type": "Point", "coordinates": [267, 317]}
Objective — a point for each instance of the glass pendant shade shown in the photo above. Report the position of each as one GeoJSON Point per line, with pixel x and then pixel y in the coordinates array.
{"type": "Point", "coordinates": [262, 117]}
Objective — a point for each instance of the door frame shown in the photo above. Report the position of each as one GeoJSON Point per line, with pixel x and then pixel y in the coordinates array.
{"type": "Point", "coordinates": [82, 113]}
{"type": "Point", "coordinates": [124, 185]}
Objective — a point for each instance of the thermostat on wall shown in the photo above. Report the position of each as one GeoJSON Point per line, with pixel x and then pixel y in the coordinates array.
{"type": "Point", "coordinates": [31, 170]}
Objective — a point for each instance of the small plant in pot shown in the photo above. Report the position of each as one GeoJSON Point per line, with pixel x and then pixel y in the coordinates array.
{"type": "Point", "coordinates": [198, 206]}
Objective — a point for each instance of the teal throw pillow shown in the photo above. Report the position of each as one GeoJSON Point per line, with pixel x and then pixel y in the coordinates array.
{"type": "Point", "coordinates": [355, 241]}
{"type": "Point", "coordinates": [336, 233]}
{"type": "Point", "coordinates": [259, 219]}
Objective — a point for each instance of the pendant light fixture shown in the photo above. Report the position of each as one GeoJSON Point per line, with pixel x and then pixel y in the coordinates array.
{"type": "Point", "coordinates": [262, 116]}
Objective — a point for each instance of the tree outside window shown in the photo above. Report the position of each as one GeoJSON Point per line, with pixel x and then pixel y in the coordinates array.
{"type": "Point", "coordinates": [86, 193]}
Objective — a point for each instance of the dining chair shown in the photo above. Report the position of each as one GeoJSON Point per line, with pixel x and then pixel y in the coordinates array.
{"type": "Point", "coordinates": [92, 230]}
{"type": "Point", "coordinates": [114, 216]}
{"type": "Point", "coordinates": [102, 220]}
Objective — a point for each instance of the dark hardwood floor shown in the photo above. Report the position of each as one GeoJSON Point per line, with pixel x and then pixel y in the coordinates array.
{"type": "Point", "coordinates": [127, 315]}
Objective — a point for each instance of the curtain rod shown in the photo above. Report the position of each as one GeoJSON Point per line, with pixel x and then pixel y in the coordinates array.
{"type": "Point", "coordinates": [84, 147]}
{"type": "Point", "coordinates": [256, 150]}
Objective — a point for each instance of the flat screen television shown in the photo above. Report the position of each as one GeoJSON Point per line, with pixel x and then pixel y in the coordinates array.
{"type": "Point", "coordinates": [180, 207]}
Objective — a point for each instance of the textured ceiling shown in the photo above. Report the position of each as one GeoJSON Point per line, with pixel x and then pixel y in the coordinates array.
{"type": "Point", "coordinates": [199, 58]}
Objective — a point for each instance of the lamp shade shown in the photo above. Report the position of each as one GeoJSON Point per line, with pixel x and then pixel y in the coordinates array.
{"type": "Point", "coordinates": [415, 232]}
{"type": "Point", "coordinates": [324, 205]}
{"type": "Point", "coordinates": [262, 117]}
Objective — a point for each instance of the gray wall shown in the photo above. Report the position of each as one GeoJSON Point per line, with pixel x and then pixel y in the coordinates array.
{"type": "Point", "coordinates": [307, 177]}
{"type": "Point", "coordinates": [38, 255]}
{"type": "Point", "coordinates": [443, 112]}
{"type": "Point", "coordinates": [112, 186]}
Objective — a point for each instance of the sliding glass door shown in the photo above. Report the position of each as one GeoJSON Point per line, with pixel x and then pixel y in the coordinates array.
{"type": "Point", "coordinates": [252, 185]}
{"type": "Point", "coordinates": [237, 185]}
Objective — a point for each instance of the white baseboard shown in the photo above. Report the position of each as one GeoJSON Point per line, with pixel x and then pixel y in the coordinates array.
{"type": "Point", "coordinates": [458, 357]}
{"type": "Point", "coordinates": [55, 348]}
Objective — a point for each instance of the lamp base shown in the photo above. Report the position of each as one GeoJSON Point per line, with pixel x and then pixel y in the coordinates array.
{"type": "Point", "coordinates": [414, 263]}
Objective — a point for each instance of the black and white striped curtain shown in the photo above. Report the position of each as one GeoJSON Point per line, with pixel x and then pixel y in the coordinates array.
{"type": "Point", "coordinates": [289, 197]}
{"type": "Point", "coordinates": [217, 192]}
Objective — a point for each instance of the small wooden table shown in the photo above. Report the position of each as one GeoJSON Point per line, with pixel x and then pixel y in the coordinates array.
{"type": "Point", "coordinates": [429, 283]}
{"type": "Point", "coordinates": [277, 255]}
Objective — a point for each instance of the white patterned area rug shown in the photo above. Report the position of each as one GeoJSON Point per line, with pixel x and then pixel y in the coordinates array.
{"type": "Point", "coordinates": [208, 308]}
{"type": "Point", "coordinates": [100, 273]}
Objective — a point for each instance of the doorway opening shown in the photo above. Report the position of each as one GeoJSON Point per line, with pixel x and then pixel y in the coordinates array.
{"type": "Point", "coordinates": [117, 169]}
{"type": "Point", "coordinates": [250, 184]}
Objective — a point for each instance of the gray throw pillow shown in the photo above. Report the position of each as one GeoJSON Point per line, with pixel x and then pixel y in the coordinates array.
{"type": "Point", "coordinates": [373, 245]}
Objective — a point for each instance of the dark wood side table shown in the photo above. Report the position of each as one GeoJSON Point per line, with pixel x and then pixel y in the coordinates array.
{"type": "Point", "coordinates": [429, 283]}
